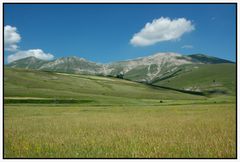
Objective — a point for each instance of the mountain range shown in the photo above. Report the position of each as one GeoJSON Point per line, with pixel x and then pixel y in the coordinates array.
{"type": "Point", "coordinates": [161, 69]}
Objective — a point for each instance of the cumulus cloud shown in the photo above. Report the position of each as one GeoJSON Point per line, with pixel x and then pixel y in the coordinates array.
{"type": "Point", "coordinates": [38, 53]}
{"type": "Point", "coordinates": [187, 46]}
{"type": "Point", "coordinates": [11, 38]}
{"type": "Point", "coordinates": [162, 29]}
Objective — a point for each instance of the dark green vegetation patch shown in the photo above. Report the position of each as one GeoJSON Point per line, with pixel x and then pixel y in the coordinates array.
{"type": "Point", "coordinates": [46, 101]}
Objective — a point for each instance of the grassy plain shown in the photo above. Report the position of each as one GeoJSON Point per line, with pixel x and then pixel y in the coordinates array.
{"type": "Point", "coordinates": [183, 131]}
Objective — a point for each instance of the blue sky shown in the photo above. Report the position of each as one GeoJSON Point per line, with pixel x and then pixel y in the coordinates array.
{"type": "Point", "coordinates": [103, 32]}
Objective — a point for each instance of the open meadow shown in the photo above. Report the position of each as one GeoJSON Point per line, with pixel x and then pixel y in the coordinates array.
{"type": "Point", "coordinates": [56, 115]}
{"type": "Point", "coordinates": [183, 131]}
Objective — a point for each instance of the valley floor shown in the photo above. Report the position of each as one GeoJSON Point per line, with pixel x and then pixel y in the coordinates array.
{"type": "Point", "coordinates": [78, 131]}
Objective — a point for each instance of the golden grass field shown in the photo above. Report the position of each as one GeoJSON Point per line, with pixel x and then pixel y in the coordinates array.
{"type": "Point", "coordinates": [77, 131]}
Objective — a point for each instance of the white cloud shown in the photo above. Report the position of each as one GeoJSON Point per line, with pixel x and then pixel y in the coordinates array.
{"type": "Point", "coordinates": [162, 29]}
{"type": "Point", "coordinates": [38, 53]}
{"type": "Point", "coordinates": [11, 38]}
{"type": "Point", "coordinates": [188, 46]}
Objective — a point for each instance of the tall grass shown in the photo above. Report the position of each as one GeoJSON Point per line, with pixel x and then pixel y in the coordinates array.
{"type": "Point", "coordinates": [184, 131]}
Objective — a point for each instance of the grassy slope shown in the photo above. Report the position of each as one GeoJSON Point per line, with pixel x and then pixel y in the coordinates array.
{"type": "Point", "coordinates": [203, 78]}
{"type": "Point", "coordinates": [101, 90]}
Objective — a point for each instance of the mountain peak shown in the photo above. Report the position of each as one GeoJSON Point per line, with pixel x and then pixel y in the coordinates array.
{"type": "Point", "coordinates": [30, 58]}
{"type": "Point", "coordinates": [166, 58]}
{"type": "Point", "coordinates": [166, 54]}
{"type": "Point", "coordinates": [72, 58]}
{"type": "Point", "coordinates": [30, 62]}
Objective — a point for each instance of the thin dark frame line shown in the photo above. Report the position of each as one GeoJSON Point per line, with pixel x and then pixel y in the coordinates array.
{"type": "Point", "coordinates": [236, 9]}
{"type": "Point", "coordinates": [119, 3]}
{"type": "Point", "coordinates": [3, 80]}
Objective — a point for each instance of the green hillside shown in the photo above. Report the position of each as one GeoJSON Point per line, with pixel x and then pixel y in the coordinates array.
{"type": "Point", "coordinates": [30, 84]}
{"type": "Point", "coordinates": [208, 78]}
{"type": "Point", "coordinates": [208, 59]}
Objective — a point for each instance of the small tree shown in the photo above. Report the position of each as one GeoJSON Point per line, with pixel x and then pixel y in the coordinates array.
{"type": "Point", "coordinates": [120, 75]}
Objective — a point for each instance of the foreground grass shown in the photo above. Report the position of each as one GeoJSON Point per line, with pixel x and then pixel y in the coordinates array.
{"type": "Point", "coordinates": [183, 131]}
